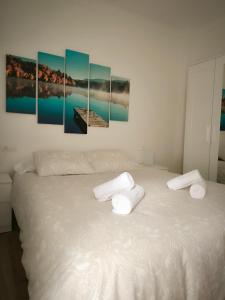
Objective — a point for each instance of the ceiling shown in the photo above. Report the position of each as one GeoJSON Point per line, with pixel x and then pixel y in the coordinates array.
{"type": "Point", "coordinates": [178, 13]}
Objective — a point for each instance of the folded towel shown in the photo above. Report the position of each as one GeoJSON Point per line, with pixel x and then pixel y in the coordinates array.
{"type": "Point", "coordinates": [106, 190]}
{"type": "Point", "coordinates": [125, 201]}
{"type": "Point", "coordinates": [198, 190]}
{"type": "Point", "coordinates": [185, 180]}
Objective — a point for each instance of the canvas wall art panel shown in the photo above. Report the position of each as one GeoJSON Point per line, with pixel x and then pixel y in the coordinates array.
{"type": "Point", "coordinates": [20, 85]}
{"type": "Point", "coordinates": [76, 92]}
{"type": "Point", "coordinates": [119, 105]}
{"type": "Point", "coordinates": [50, 88]}
{"type": "Point", "coordinates": [99, 96]}
{"type": "Point", "coordinates": [222, 119]}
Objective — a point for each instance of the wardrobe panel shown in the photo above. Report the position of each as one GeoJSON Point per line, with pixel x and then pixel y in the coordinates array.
{"type": "Point", "coordinates": [199, 108]}
{"type": "Point", "coordinates": [219, 85]}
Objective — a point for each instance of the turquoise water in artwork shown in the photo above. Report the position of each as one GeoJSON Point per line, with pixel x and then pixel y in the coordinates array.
{"type": "Point", "coordinates": [222, 122]}
{"type": "Point", "coordinates": [75, 100]}
{"type": "Point", "coordinates": [100, 107]}
{"type": "Point", "coordinates": [118, 112]}
{"type": "Point", "coordinates": [20, 95]}
{"type": "Point", "coordinates": [77, 69]}
{"type": "Point", "coordinates": [25, 105]}
{"type": "Point", "coordinates": [50, 110]}
{"type": "Point", "coordinates": [50, 103]}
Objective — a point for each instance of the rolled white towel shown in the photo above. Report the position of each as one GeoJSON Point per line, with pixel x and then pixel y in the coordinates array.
{"type": "Point", "coordinates": [198, 190]}
{"type": "Point", "coordinates": [125, 201]}
{"type": "Point", "coordinates": [184, 180]}
{"type": "Point", "coordinates": [106, 190]}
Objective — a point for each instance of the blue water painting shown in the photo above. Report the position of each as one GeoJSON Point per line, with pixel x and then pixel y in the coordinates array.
{"type": "Point", "coordinates": [24, 105]}
{"type": "Point", "coordinates": [222, 122]}
{"type": "Point", "coordinates": [101, 108]}
{"type": "Point", "coordinates": [119, 106]}
{"type": "Point", "coordinates": [76, 90]}
{"type": "Point", "coordinates": [50, 111]}
{"type": "Point", "coordinates": [74, 101]}
{"type": "Point", "coordinates": [20, 85]}
{"type": "Point", "coordinates": [118, 112]}
{"type": "Point", "coordinates": [99, 95]}
{"type": "Point", "coordinates": [50, 88]}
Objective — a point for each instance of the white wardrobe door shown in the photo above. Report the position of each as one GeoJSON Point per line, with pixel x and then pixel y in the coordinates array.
{"type": "Point", "coordinates": [197, 140]}
{"type": "Point", "coordinates": [218, 86]}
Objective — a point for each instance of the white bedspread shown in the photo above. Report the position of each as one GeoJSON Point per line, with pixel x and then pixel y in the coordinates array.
{"type": "Point", "coordinates": [171, 247]}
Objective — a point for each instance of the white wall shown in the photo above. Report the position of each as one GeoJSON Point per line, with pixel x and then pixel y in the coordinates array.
{"type": "Point", "coordinates": [207, 42]}
{"type": "Point", "coordinates": [134, 47]}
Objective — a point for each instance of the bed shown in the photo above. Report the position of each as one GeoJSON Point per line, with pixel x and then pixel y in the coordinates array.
{"type": "Point", "coordinates": [171, 247]}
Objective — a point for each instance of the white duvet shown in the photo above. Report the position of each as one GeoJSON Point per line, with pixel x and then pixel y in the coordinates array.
{"type": "Point", "coordinates": [171, 247]}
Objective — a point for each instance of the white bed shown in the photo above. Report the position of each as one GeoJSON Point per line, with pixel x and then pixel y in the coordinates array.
{"type": "Point", "coordinates": [171, 247]}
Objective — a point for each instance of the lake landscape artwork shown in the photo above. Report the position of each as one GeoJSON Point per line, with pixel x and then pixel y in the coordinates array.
{"type": "Point", "coordinates": [69, 91]}
{"type": "Point", "coordinates": [20, 85]}
{"type": "Point", "coordinates": [76, 92]}
{"type": "Point", "coordinates": [119, 105]}
{"type": "Point", "coordinates": [99, 95]}
{"type": "Point", "coordinates": [50, 88]}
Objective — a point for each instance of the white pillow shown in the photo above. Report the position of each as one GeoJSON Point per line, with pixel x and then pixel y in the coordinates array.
{"type": "Point", "coordinates": [49, 163]}
{"type": "Point", "coordinates": [110, 160]}
{"type": "Point", "coordinates": [24, 167]}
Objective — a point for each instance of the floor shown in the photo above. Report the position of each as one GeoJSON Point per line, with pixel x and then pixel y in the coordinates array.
{"type": "Point", "coordinates": [13, 282]}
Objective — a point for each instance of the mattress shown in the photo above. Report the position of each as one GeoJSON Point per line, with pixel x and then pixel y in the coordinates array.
{"type": "Point", "coordinates": [170, 247]}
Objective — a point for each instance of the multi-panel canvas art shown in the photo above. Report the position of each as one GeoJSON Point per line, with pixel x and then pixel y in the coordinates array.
{"type": "Point", "coordinates": [222, 119]}
{"type": "Point", "coordinates": [70, 91]}
{"type": "Point", "coordinates": [99, 95]}
{"type": "Point", "coordinates": [50, 88]}
{"type": "Point", "coordinates": [20, 85]}
{"type": "Point", "coordinates": [119, 106]}
{"type": "Point", "coordinates": [76, 92]}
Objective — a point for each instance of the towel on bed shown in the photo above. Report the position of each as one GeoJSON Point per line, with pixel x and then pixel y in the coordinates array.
{"type": "Point", "coordinates": [125, 201]}
{"type": "Point", "coordinates": [184, 180]}
{"type": "Point", "coordinates": [106, 190]}
{"type": "Point", "coordinates": [198, 190]}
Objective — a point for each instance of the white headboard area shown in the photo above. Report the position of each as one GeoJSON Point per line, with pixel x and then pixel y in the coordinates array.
{"type": "Point", "coordinates": [21, 135]}
{"type": "Point", "coordinates": [9, 157]}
